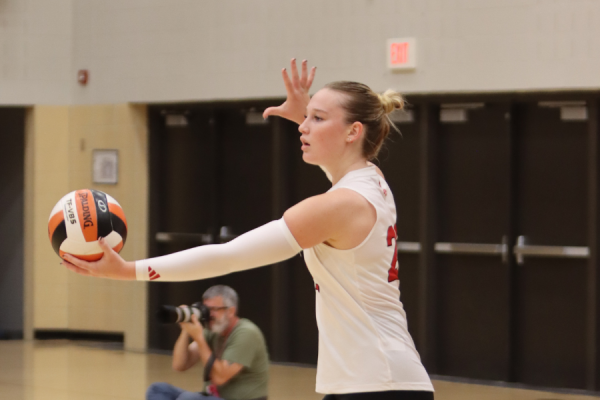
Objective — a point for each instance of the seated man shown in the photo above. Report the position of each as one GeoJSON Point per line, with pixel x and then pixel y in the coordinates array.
{"type": "Point", "coordinates": [232, 350]}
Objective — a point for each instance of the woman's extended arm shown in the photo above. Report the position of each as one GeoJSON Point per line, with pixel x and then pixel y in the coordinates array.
{"type": "Point", "coordinates": [265, 245]}
{"type": "Point", "coordinates": [342, 218]}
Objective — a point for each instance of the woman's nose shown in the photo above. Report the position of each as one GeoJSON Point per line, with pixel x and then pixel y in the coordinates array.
{"type": "Point", "coordinates": [303, 128]}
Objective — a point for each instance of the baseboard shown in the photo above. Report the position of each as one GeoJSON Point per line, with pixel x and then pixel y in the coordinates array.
{"type": "Point", "coordinates": [93, 336]}
{"type": "Point", "coordinates": [513, 385]}
{"type": "Point", "coordinates": [11, 335]}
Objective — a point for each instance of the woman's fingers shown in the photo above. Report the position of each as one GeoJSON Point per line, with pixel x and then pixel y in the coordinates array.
{"type": "Point", "coordinates": [306, 79]}
{"type": "Point", "coordinates": [267, 112]}
{"type": "Point", "coordinates": [75, 268]}
{"type": "Point", "coordinates": [297, 88]}
{"type": "Point", "coordinates": [286, 81]}
{"type": "Point", "coordinates": [77, 262]}
{"type": "Point", "coordinates": [304, 75]}
{"type": "Point", "coordinates": [105, 247]}
{"type": "Point", "coordinates": [311, 77]}
{"type": "Point", "coordinates": [272, 111]}
{"type": "Point", "coordinates": [295, 77]}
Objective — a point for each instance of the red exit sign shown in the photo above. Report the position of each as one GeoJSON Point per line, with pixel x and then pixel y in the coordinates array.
{"type": "Point", "coordinates": [401, 54]}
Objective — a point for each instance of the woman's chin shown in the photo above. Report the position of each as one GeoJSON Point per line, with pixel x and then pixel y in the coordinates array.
{"type": "Point", "coordinates": [308, 159]}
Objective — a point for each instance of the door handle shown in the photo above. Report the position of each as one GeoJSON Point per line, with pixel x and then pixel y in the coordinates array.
{"type": "Point", "coordinates": [522, 249]}
{"type": "Point", "coordinates": [474, 248]}
{"type": "Point", "coordinates": [226, 234]}
{"type": "Point", "coordinates": [409, 247]}
{"type": "Point", "coordinates": [182, 237]}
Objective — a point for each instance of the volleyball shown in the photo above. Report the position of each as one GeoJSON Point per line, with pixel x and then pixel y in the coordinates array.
{"type": "Point", "coordinates": [80, 218]}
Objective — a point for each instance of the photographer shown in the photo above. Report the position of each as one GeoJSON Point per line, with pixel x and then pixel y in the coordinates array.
{"type": "Point", "coordinates": [232, 350]}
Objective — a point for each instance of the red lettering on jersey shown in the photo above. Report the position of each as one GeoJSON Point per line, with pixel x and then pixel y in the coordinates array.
{"type": "Point", "coordinates": [392, 234]}
{"type": "Point", "coordinates": [384, 190]}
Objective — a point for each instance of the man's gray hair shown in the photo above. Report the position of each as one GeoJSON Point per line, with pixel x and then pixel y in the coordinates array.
{"type": "Point", "coordinates": [230, 297]}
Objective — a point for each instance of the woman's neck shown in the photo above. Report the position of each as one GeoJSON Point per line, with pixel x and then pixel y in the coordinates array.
{"type": "Point", "coordinates": [338, 171]}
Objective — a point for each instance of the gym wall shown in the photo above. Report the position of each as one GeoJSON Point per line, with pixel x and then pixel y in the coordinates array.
{"type": "Point", "coordinates": [59, 144]}
{"type": "Point", "coordinates": [36, 51]}
{"type": "Point", "coordinates": [155, 51]}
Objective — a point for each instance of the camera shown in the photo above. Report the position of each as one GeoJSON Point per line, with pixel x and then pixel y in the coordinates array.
{"type": "Point", "coordinates": [173, 315]}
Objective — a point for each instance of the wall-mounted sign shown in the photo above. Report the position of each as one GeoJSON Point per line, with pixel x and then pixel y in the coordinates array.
{"type": "Point", "coordinates": [105, 167]}
{"type": "Point", "coordinates": [402, 54]}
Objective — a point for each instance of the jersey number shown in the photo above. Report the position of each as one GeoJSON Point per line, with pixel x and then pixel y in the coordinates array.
{"type": "Point", "coordinates": [393, 235]}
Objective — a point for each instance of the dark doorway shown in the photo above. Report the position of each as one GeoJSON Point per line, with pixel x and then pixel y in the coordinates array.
{"type": "Point", "coordinates": [473, 221]}
{"type": "Point", "coordinates": [12, 178]}
{"type": "Point", "coordinates": [210, 181]}
{"type": "Point", "coordinates": [511, 241]}
{"type": "Point", "coordinates": [552, 195]}
{"type": "Point", "coordinates": [399, 161]}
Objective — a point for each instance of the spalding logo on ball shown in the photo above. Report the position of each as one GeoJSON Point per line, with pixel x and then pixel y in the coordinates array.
{"type": "Point", "coordinates": [80, 218]}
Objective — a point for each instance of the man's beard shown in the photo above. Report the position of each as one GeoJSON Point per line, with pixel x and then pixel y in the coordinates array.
{"type": "Point", "coordinates": [219, 326]}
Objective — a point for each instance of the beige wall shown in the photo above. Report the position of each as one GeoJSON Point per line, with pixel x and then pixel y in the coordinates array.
{"type": "Point", "coordinates": [154, 51]}
{"type": "Point", "coordinates": [36, 51]}
{"type": "Point", "coordinates": [148, 51]}
{"type": "Point", "coordinates": [60, 140]}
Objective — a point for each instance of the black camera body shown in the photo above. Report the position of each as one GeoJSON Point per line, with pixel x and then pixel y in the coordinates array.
{"type": "Point", "coordinates": [175, 315]}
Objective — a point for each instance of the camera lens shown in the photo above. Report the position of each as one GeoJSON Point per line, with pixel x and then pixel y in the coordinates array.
{"type": "Point", "coordinates": [169, 314]}
{"type": "Point", "coordinates": [172, 315]}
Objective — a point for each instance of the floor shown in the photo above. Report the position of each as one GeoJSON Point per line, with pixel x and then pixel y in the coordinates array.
{"type": "Point", "coordinates": [62, 370]}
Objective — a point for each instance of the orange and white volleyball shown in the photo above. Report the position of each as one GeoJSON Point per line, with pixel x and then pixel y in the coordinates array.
{"type": "Point", "coordinates": [80, 218]}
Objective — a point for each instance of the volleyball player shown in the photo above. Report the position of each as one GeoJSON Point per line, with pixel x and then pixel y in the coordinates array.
{"type": "Point", "coordinates": [348, 236]}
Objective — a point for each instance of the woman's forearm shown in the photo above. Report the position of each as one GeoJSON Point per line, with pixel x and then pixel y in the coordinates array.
{"type": "Point", "coordinates": [268, 244]}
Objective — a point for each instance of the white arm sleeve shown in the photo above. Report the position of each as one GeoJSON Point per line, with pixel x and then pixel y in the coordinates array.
{"type": "Point", "coordinates": [268, 244]}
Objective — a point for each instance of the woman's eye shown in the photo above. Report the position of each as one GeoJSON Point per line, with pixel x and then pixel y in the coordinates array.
{"type": "Point", "coordinates": [318, 118]}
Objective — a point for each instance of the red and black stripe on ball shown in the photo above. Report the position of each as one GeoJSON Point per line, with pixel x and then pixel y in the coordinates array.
{"type": "Point", "coordinates": [57, 230]}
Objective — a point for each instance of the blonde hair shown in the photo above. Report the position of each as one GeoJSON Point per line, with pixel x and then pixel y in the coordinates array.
{"type": "Point", "coordinates": [371, 109]}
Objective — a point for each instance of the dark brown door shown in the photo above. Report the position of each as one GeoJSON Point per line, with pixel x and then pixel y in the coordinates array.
{"type": "Point", "coordinates": [211, 181]}
{"type": "Point", "coordinates": [399, 161]}
{"type": "Point", "coordinates": [472, 271]}
{"type": "Point", "coordinates": [552, 225]}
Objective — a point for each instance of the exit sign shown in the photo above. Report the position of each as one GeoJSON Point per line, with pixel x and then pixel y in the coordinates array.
{"type": "Point", "coordinates": [401, 54]}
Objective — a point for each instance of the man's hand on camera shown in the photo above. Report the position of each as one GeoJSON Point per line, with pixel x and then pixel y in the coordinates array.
{"type": "Point", "coordinates": [193, 329]}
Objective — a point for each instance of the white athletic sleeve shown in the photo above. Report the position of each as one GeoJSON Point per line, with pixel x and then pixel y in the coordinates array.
{"type": "Point", "coordinates": [268, 244]}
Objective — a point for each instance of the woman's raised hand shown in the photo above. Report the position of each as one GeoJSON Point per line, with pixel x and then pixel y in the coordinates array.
{"type": "Point", "coordinates": [294, 107]}
{"type": "Point", "coordinates": [111, 265]}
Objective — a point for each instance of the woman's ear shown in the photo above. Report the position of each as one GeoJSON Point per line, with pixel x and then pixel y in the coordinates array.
{"type": "Point", "coordinates": [355, 132]}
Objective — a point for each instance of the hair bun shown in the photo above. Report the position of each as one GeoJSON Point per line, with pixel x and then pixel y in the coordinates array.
{"type": "Point", "coordinates": [391, 100]}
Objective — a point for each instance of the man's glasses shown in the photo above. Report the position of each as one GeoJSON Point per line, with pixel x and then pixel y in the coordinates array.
{"type": "Point", "coordinates": [215, 309]}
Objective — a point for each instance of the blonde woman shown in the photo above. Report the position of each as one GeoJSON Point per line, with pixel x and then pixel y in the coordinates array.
{"type": "Point", "coordinates": [348, 236]}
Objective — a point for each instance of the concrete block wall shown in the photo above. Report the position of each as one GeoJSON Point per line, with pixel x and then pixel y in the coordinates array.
{"type": "Point", "coordinates": [190, 50]}
{"type": "Point", "coordinates": [155, 51]}
{"type": "Point", "coordinates": [35, 52]}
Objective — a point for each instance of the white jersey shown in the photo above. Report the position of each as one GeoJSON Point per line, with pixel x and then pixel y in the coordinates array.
{"type": "Point", "coordinates": [364, 344]}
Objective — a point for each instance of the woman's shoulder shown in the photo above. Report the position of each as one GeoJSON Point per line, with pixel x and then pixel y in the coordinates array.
{"type": "Point", "coordinates": [366, 180]}
{"type": "Point", "coordinates": [376, 169]}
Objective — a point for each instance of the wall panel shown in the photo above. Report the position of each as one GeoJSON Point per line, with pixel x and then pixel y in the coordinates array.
{"type": "Point", "coordinates": [60, 140]}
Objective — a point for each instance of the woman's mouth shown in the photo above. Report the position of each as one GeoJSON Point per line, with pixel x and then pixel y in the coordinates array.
{"type": "Point", "coordinates": [305, 144]}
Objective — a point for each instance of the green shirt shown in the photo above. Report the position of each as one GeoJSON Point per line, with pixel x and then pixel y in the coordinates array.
{"type": "Point", "coordinates": [246, 346]}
